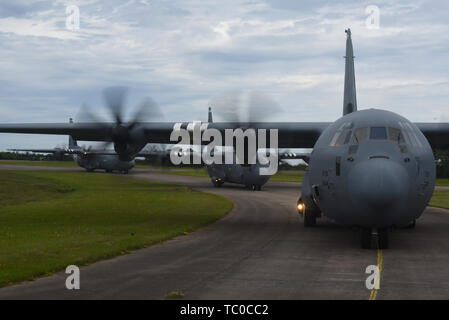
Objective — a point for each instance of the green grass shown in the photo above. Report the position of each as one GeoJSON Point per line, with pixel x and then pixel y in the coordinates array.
{"type": "Point", "coordinates": [288, 176]}
{"type": "Point", "coordinates": [440, 199]}
{"type": "Point", "coordinates": [442, 182]}
{"type": "Point", "coordinates": [39, 163]}
{"type": "Point", "coordinates": [49, 220]}
{"type": "Point", "coordinates": [174, 295]}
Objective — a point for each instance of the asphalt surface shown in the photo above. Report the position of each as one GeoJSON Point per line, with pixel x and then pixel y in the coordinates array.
{"type": "Point", "coordinates": [262, 251]}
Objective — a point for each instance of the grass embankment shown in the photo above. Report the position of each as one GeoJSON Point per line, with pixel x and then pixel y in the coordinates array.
{"type": "Point", "coordinates": [49, 220]}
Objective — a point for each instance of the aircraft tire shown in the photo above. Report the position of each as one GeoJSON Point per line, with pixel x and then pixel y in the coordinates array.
{"type": "Point", "coordinates": [109, 171]}
{"type": "Point", "coordinates": [412, 224]}
{"type": "Point", "coordinates": [365, 238]}
{"type": "Point", "coordinates": [309, 218]}
{"type": "Point", "coordinates": [383, 234]}
{"type": "Point", "coordinates": [217, 184]}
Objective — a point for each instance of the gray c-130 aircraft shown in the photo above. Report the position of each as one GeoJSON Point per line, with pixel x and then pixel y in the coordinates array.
{"type": "Point", "coordinates": [371, 168]}
{"type": "Point", "coordinates": [89, 158]}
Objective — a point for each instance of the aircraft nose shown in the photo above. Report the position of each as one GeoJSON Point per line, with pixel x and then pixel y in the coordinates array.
{"type": "Point", "coordinates": [377, 183]}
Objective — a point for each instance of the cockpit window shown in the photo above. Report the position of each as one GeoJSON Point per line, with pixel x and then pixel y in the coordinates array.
{"type": "Point", "coordinates": [396, 135]}
{"type": "Point", "coordinates": [378, 133]}
{"type": "Point", "coordinates": [402, 136]}
{"type": "Point", "coordinates": [410, 135]}
{"type": "Point", "coordinates": [405, 135]}
{"type": "Point", "coordinates": [360, 134]}
{"type": "Point", "coordinates": [348, 136]}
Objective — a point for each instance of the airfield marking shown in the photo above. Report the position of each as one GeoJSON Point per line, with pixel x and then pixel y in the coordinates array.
{"type": "Point", "coordinates": [373, 294]}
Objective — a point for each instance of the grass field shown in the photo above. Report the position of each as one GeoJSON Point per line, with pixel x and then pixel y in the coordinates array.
{"type": "Point", "coordinates": [40, 163]}
{"type": "Point", "coordinates": [442, 182]}
{"type": "Point", "coordinates": [286, 176]}
{"type": "Point", "coordinates": [440, 199]}
{"type": "Point", "coordinates": [49, 220]}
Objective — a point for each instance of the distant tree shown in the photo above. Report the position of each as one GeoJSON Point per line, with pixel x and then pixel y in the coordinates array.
{"type": "Point", "coordinates": [442, 159]}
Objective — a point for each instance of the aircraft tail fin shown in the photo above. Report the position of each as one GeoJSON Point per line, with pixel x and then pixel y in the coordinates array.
{"type": "Point", "coordinates": [209, 115]}
{"type": "Point", "coordinates": [349, 98]}
{"type": "Point", "coordinates": [72, 142]}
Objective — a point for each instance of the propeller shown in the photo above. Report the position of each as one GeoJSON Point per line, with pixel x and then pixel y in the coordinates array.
{"type": "Point", "coordinates": [126, 136]}
{"type": "Point", "coordinates": [259, 107]}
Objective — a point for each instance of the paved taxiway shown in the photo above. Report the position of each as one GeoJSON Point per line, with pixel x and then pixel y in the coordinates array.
{"type": "Point", "coordinates": [262, 251]}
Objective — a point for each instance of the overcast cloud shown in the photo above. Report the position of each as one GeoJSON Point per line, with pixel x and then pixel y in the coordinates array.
{"type": "Point", "coordinates": [184, 53]}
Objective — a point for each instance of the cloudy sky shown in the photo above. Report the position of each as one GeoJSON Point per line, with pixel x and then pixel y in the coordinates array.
{"type": "Point", "coordinates": [186, 53]}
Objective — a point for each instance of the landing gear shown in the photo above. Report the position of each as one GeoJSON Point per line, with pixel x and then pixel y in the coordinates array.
{"type": "Point", "coordinates": [125, 171]}
{"type": "Point", "coordinates": [412, 224]}
{"type": "Point", "coordinates": [254, 187]}
{"type": "Point", "coordinates": [217, 183]}
{"type": "Point", "coordinates": [109, 171]}
{"type": "Point", "coordinates": [309, 217]}
{"type": "Point", "coordinates": [382, 238]}
{"type": "Point", "coordinates": [90, 170]}
{"type": "Point", "coordinates": [366, 238]}
{"type": "Point", "coordinates": [380, 241]}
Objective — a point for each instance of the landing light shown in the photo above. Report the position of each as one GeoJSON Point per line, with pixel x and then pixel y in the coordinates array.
{"type": "Point", "coordinates": [300, 207]}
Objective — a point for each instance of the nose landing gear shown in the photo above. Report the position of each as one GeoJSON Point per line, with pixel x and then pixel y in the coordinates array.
{"type": "Point", "coordinates": [374, 240]}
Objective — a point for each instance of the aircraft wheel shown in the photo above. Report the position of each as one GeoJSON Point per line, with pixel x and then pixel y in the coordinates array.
{"type": "Point", "coordinates": [309, 218]}
{"type": "Point", "coordinates": [366, 238]}
{"type": "Point", "coordinates": [412, 224]}
{"type": "Point", "coordinates": [217, 184]}
{"type": "Point", "coordinates": [253, 187]}
{"type": "Point", "coordinates": [109, 171]}
{"type": "Point", "coordinates": [382, 235]}
{"type": "Point", "coordinates": [90, 170]}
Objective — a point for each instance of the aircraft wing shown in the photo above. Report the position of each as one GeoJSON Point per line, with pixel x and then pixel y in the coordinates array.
{"type": "Point", "coordinates": [294, 155]}
{"type": "Point", "coordinates": [436, 133]}
{"type": "Point", "coordinates": [68, 151]}
{"type": "Point", "coordinates": [79, 131]}
{"type": "Point", "coordinates": [38, 150]}
{"type": "Point", "coordinates": [291, 134]}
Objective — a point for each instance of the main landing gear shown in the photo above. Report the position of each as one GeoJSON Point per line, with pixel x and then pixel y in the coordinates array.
{"type": "Point", "coordinates": [217, 182]}
{"type": "Point", "coordinates": [255, 187]}
{"type": "Point", "coordinates": [374, 239]}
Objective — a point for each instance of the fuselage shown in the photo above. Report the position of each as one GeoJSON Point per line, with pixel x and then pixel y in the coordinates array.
{"type": "Point", "coordinates": [371, 168]}
{"type": "Point", "coordinates": [247, 175]}
{"type": "Point", "coordinates": [93, 161]}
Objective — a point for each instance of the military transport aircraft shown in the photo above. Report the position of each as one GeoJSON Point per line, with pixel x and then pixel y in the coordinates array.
{"type": "Point", "coordinates": [89, 158]}
{"type": "Point", "coordinates": [371, 168]}
{"type": "Point", "coordinates": [244, 174]}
